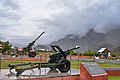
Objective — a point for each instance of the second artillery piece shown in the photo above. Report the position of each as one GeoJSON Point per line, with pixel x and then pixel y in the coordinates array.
{"type": "Point", "coordinates": [31, 52]}
{"type": "Point", "coordinates": [57, 60]}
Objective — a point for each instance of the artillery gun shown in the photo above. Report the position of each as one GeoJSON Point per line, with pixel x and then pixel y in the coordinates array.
{"type": "Point", "coordinates": [29, 49]}
{"type": "Point", "coordinates": [57, 60]}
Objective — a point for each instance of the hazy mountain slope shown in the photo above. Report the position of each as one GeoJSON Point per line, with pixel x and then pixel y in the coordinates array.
{"type": "Point", "coordinates": [86, 42]}
{"type": "Point", "coordinates": [42, 47]}
{"type": "Point", "coordinates": [116, 51]}
{"type": "Point", "coordinates": [113, 38]}
{"type": "Point", "coordinates": [91, 41]}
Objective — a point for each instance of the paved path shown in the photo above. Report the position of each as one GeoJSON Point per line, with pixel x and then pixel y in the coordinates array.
{"type": "Point", "coordinates": [45, 72]}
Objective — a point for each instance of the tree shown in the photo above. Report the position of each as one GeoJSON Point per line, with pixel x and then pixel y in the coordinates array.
{"type": "Point", "coordinates": [73, 53]}
{"type": "Point", "coordinates": [90, 53]}
{"type": "Point", "coordinates": [6, 46]}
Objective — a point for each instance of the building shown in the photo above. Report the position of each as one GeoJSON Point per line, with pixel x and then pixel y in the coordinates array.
{"type": "Point", "coordinates": [42, 48]}
{"type": "Point", "coordinates": [1, 47]}
{"type": "Point", "coordinates": [20, 49]}
{"type": "Point", "coordinates": [105, 52]}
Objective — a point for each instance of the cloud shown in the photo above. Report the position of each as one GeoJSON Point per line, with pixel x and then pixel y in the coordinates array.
{"type": "Point", "coordinates": [106, 27]}
{"type": "Point", "coordinates": [23, 20]}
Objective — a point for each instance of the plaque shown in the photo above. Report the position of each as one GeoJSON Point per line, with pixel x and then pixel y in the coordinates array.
{"type": "Point", "coordinates": [93, 68]}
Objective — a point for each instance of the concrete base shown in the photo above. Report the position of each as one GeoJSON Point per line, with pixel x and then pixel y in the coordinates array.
{"type": "Point", "coordinates": [35, 73]}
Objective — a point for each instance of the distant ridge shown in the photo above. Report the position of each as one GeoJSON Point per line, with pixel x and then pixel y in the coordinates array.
{"type": "Point", "coordinates": [92, 41]}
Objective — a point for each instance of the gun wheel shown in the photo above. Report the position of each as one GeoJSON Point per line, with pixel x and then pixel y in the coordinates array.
{"type": "Point", "coordinates": [65, 65]}
{"type": "Point", "coordinates": [32, 54]}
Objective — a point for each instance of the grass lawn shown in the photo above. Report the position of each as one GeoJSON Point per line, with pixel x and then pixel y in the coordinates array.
{"type": "Point", "coordinates": [5, 63]}
{"type": "Point", "coordinates": [75, 64]}
{"type": "Point", "coordinates": [109, 65]}
{"type": "Point", "coordinates": [114, 77]}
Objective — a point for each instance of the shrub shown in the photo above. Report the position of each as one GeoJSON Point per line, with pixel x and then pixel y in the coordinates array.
{"type": "Point", "coordinates": [73, 53]}
{"type": "Point", "coordinates": [113, 55]}
{"type": "Point", "coordinates": [90, 53]}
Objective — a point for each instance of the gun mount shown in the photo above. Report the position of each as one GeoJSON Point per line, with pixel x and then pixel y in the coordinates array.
{"type": "Point", "coordinates": [57, 60]}
{"type": "Point", "coordinates": [29, 49]}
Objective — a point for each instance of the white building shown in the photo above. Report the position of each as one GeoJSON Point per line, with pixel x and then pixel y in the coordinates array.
{"type": "Point", "coordinates": [105, 52]}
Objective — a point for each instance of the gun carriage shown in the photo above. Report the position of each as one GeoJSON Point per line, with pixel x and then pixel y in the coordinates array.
{"type": "Point", "coordinates": [57, 60]}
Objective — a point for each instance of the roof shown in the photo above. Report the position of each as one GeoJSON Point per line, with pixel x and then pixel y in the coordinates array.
{"type": "Point", "coordinates": [20, 49]}
{"type": "Point", "coordinates": [1, 45]}
{"type": "Point", "coordinates": [103, 49]}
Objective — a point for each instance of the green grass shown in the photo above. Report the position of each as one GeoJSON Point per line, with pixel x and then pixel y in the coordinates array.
{"type": "Point", "coordinates": [114, 77]}
{"type": "Point", "coordinates": [5, 63]}
{"type": "Point", "coordinates": [75, 64]}
{"type": "Point", "coordinates": [109, 65]}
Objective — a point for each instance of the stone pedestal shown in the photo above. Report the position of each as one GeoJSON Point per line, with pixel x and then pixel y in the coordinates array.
{"type": "Point", "coordinates": [43, 74]}
{"type": "Point", "coordinates": [92, 71]}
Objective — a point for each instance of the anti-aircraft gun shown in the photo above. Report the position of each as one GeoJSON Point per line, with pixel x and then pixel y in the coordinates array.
{"type": "Point", "coordinates": [29, 49]}
{"type": "Point", "coordinates": [57, 60]}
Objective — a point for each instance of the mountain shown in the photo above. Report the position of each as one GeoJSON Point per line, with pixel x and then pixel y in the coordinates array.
{"type": "Point", "coordinates": [113, 38]}
{"type": "Point", "coordinates": [91, 41]}
{"type": "Point", "coordinates": [116, 51]}
{"type": "Point", "coordinates": [39, 47]}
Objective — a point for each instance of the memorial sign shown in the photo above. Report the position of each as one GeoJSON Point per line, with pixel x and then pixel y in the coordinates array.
{"type": "Point", "coordinates": [94, 69]}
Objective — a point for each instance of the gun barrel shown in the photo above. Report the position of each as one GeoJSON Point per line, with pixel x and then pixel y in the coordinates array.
{"type": "Point", "coordinates": [29, 46]}
{"type": "Point", "coordinates": [39, 35]}
{"type": "Point", "coordinates": [76, 47]}
{"type": "Point", "coordinates": [24, 64]}
{"type": "Point", "coordinates": [35, 65]}
{"type": "Point", "coordinates": [68, 51]}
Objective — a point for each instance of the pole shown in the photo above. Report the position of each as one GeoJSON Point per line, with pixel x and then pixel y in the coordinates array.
{"type": "Point", "coordinates": [0, 62]}
{"type": "Point", "coordinates": [40, 66]}
{"type": "Point", "coordinates": [45, 61]}
{"type": "Point", "coordinates": [70, 64]}
{"type": "Point", "coordinates": [21, 58]}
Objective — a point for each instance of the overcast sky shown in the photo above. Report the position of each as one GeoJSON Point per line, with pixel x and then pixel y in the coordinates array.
{"type": "Point", "coordinates": [21, 21]}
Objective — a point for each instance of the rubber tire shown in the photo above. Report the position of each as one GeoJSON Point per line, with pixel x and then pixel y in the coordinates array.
{"type": "Point", "coordinates": [32, 54]}
{"type": "Point", "coordinates": [65, 65]}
